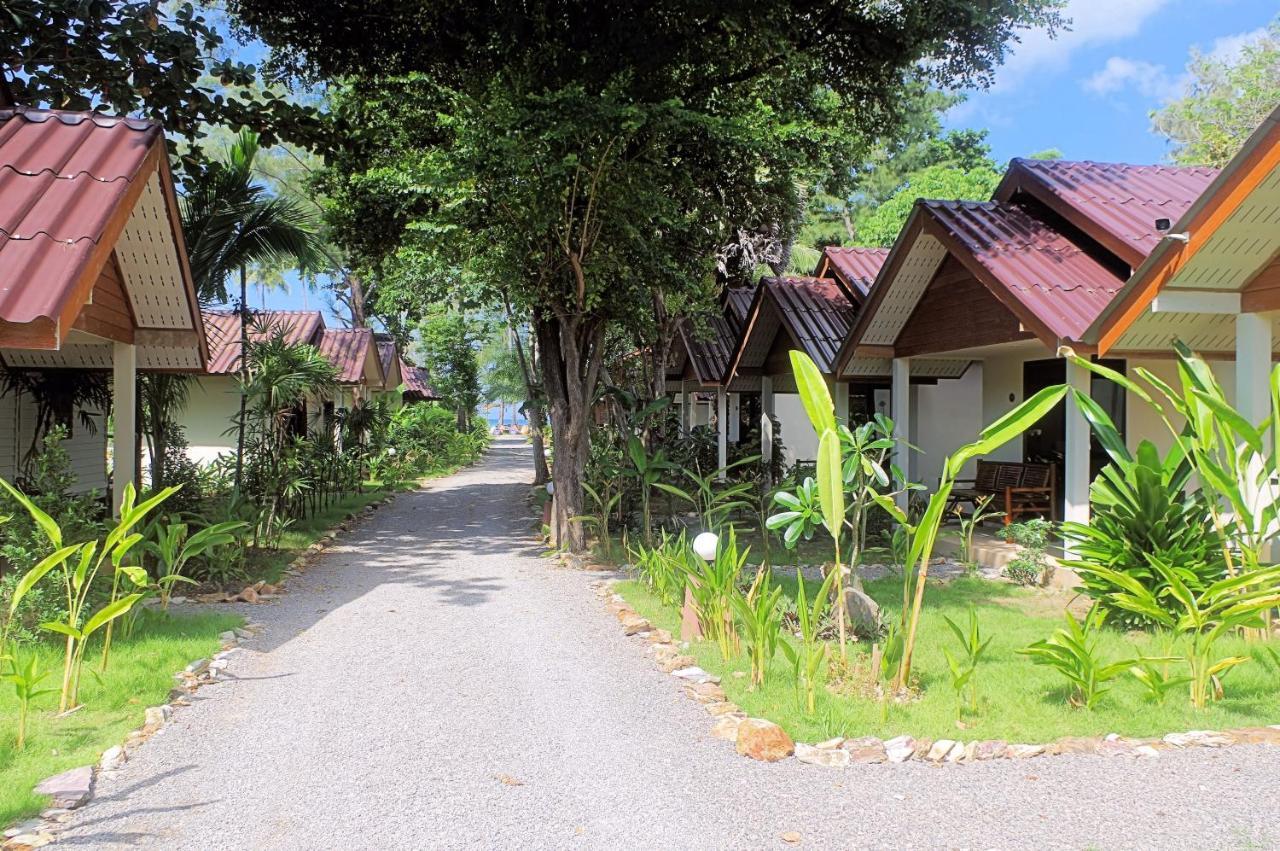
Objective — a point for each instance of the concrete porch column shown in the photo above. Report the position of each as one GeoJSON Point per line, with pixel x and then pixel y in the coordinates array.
{"type": "Point", "coordinates": [900, 406]}
{"type": "Point", "coordinates": [1075, 475]}
{"type": "Point", "coordinates": [766, 424]}
{"type": "Point", "coordinates": [840, 396]}
{"type": "Point", "coordinates": [722, 427]}
{"type": "Point", "coordinates": [124, 400]}
{"type": "Point", "coordinates": [686, 409]}
{"type": "Point", "coordinates": [735, 417]}
{"type": "Point", "coordinates": [1253, 385]}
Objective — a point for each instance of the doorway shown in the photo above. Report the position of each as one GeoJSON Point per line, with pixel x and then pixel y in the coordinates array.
{"type": "Point", "coordinates": [1045, 442]}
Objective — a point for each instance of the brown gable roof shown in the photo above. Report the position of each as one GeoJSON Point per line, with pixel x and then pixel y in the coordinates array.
{"type": "Point", "coordinates": [69, 186]}
{"type": "Point", "coordinates": [1027, 264]}
{"type": "Point", "coordinates": [417, 382]}
{"type": "Point", "coordinates": [1115, 203]}
{"type": "Point", "coordinates": [348, 349]}
{"type": "Point", "coordinates": [223, 330]}
{"type": "Point", "coordinates": [817, 312]}
{"type": "Point", "coordinates": [856, 268]}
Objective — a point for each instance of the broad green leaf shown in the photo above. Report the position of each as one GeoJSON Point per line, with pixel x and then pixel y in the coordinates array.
{"type": "Point", "coordinates": [47, 524]}
{"type": "Point", "coordinates": [813, 391]}
{"type": "Point", "coordinates": [35, 574]}
{"type": "Point", "coordinates": [110, 612]}
{"type": "Point", "coordinates": [831, 482]}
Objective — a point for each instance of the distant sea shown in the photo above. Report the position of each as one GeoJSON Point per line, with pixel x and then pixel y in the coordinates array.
{"type": "Point", "coordinates": [513, 417]}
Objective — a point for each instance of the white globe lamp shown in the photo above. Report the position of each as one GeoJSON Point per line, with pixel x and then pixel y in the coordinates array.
{"type": "Point", "coordinates": [705, 545]}
{"type": "Point", "coordinates": [551, 488]}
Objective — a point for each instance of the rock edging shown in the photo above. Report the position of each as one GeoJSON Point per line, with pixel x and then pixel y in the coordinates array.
{"type": "Point", "coordinates": [764, 740]}
{"type": "Point", "coordinates": [74, 788]}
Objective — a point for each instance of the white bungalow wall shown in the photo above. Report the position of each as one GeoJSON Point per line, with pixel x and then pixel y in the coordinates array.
{"type": "Point", "coordinates": [86, 448]}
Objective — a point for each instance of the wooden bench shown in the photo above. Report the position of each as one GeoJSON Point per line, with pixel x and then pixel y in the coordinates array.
{"type": "Point", "coordinates": [1017, 487]}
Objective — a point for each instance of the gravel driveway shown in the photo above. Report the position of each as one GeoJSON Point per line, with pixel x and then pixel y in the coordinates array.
{"type": "Point", "coordinates": [433, 683]}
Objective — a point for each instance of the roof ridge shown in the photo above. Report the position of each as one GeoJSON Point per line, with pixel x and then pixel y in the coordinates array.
{"type": "Point", "coordinates": [1035, 163]}
{"type": "Point", "coordinates": [74, 118]}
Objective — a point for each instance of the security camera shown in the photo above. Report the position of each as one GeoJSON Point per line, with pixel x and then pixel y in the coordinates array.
{"type": "Point", "coordinates": [1163, 225]}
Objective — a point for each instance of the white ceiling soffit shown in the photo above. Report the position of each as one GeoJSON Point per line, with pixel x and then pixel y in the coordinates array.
{"type": "Point", "coordinates": [1203, 332]}
{"type": "Point", "coordinates": [99, 356]}
{"type": "Point", "coordinates": [1242, 245]}
{"type": "Point", "coordinates": [920, 367]}
{"type": "Point", "coordinates": [150, 265]}
{"type": "Point", "coordinates": [905, 288]}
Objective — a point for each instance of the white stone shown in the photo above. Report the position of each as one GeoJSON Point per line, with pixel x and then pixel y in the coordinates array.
{"type": "Point", "coordinates": [831, 758]}
{"type": "Point", "coordinates": [900, 749]}
{"type": "Point", "coordinates": [112, 758]}
{"type": "Point", "coordinates": [694, 674]}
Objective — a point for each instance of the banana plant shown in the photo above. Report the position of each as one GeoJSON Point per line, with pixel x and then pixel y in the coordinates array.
{"type": "Point", "coordinates": [807, 658]}
{"type": "Point", "coordinates": [174, 546]}
{"type": "Point", "coordinates": [25, 676]}
{"type": "Point", "coordinates": [88, 560]}
{"type": "Point", "coordinates": [606, 501]}
{"type": "Point", "coordinates": [923, 534]}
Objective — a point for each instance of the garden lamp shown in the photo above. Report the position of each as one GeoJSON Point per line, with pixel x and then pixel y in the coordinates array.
{"type": "Point", "coordinates": [705, 545]}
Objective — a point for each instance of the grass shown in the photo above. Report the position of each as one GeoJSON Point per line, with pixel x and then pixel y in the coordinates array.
{"type": "Point", "coordinates": [1018, 701]}
{"type": "Point", "coordinates": [140, 675]}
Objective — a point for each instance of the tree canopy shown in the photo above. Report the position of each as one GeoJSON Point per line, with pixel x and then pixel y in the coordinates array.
{"type": "Point", "coordinates": [1228, 100]}
{"type": "Point", "coordinates": [603, 165]}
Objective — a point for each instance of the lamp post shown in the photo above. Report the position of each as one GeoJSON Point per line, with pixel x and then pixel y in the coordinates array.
{"type": "Point", "coordinates": [704, 546]}
{"type": "Point", "coordinates": [546, 506]}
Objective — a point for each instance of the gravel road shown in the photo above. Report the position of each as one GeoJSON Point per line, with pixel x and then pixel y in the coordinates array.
{"type": "Point", "coordinates": [433, 683]}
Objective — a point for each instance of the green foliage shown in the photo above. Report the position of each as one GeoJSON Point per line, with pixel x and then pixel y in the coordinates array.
{"type": "Point", "coordinates": [25, 675]}
{"type": "Point", "coordinates": [802, 514]}
{"type": "Point", "coordinates": [1157, 680]}
{"type": "Point", "coordinates": [969, 524]}
{"type": "Point", "coordinates": [664, 567]}
{"type": "Point", "coordinates": [712, 496]}
{"type": "Point", "coordinates": [1203, 618]}
{"type": "Point", "coordinates": [941, 182]}
{"type": "Point", "coordinates": [713, 585]}
{"type": "Point", "coordinates": [760, 616]}
{"type": "Point", "coordinates": [964, 669]}
{"type": "Point", "coordinates": [807, 658]}
{"type": "Point", "coordinates": [1227, 100]}
{"type": "Point", "coordinates": [132, 58]}
{"type": "Point", "coordinates": [1142, 508]}
{"type": "Point", "coordinates": [1029, 564]}
{"type": "Point", "coordinates": [647, 468]}
{"type": "Point", "coordinates": [174, 544]}
{"type": "Point", "coordinates": [426, 439]}
{"type": "Point", "coordinates": [448, 343]}
{"type": "Point", "coordinates": [1073, 652]}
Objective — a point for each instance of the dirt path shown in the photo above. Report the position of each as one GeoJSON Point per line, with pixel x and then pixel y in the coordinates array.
{"type": "Point", "coordinates": [434, 683]}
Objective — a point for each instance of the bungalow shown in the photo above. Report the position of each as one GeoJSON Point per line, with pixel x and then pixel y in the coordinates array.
{"type": "Point", "coordinates": [94, 286]}
{"type": "Point", "coordinates": [214, 402]}
{"type": "Point", "coordinates": [1000, 285]}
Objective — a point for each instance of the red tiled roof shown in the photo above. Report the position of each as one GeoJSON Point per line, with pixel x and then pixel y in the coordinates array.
{"type": "Point", "coordinates": [857, 268]}
{"type": "Point", "coordinates": [417, 382]}
{"type": "Point", "coordinates": [1053, 280]}
{"type": "Point", "coordinates": [1115, 203]}
{"type": "Point", "coordinates": [347, 349]}
{"type": "Point", "coordinates": [817, 313]}
{"type": "Point", "coordinates": [63, 176]}
{"type": "Point", "coordinates": [223, 330]}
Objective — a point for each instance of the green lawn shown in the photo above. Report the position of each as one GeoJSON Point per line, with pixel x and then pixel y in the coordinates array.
{"type": "Point", "coordinates": [1019, 701]}
{"type": "Point", "coordinates": [140, 675]}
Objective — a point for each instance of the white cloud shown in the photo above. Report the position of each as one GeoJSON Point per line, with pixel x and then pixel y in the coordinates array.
{"type": "Point", "coordinates": [1228, 48]}
{"type": "Point", "coordinates": [1145, 78]}
{"type": "Point", "coordinates": [1091, 23]}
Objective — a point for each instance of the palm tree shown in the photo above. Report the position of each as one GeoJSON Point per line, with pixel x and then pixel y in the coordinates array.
{"type": "Point", "coordinates": [230, 222]}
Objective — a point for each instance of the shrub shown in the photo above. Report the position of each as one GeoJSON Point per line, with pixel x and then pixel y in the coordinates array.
{"type": "Point", "coordinates": [1141, 511]}
{"type": "Point", "coordinates": [426, 437]}
{"type": "Point", "coordinates": [1028, 566]}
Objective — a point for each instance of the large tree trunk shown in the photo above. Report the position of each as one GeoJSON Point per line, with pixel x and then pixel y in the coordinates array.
{"type": "Point", "coordinates": [569, 344]}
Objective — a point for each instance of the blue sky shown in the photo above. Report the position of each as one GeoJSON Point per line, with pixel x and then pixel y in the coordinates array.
{"type": "Point", "coordinates": [1088, 92]}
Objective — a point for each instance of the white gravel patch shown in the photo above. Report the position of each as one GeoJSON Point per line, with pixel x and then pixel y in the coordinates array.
{"type": "Point", "coordinates": [433, 683]}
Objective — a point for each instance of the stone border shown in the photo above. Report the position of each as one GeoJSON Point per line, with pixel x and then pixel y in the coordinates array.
{"type": "Point", "coordinates": [74, 788]}
{"type": "Point", "coordinates": [764, 740]}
